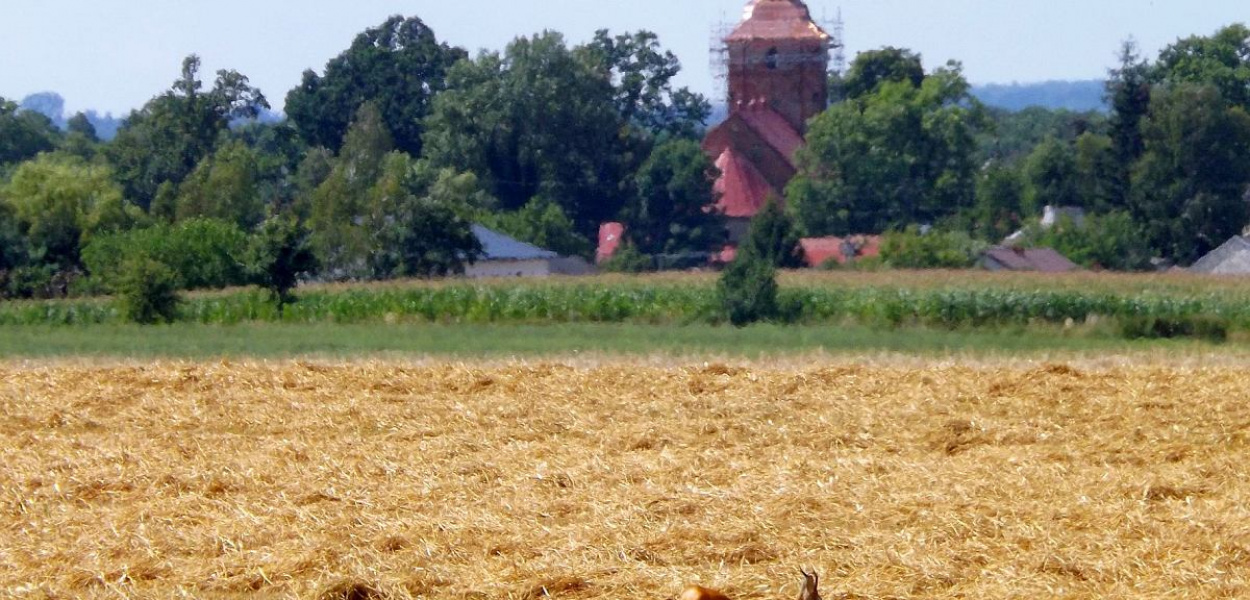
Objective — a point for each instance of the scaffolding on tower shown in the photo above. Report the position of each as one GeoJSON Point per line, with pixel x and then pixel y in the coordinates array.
{"type": "Point", "coordinates": [719, 51]}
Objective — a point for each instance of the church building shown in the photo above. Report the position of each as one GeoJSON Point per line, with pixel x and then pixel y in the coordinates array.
{"type": "Point", "coordinates": [778, 63]}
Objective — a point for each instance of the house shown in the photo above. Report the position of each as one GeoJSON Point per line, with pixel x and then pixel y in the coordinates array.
{"type": "Point", "coordinates": [503, 256]}
{"type": "Point", "coordinates": [1041, 260]}
{"type": "Point", "coordinates": [777, 63]}
{"type": "Point", "coordinates": [819, 251]}
{"type": "Point", "coordinates": [1233, 258]}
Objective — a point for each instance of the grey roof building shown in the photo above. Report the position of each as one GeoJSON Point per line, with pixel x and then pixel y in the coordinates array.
{"type": "Point", "coordinates": [1233, 258]}
{"type": "Point", "coordinates": [1043, 260]}
{"type": "Point", "coordinates": [497, 246]}
{"type": "Point", "coordinates": [504, 256]}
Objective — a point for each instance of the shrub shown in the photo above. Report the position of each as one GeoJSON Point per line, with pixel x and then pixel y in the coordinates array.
{"type": "Point", "coordinates": [147, 292]}
{"type": "Point", "coordinates": [628, 259]}
{"type": "Point", "coordinates": [201, 253]}
{"type": "Point", "coordinates": [748, 290]}
{"type": "Point", "coordinates": [912, 249]}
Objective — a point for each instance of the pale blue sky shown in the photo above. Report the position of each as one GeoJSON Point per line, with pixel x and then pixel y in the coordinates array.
{"type": "Point", "coordinates": [113, 55]}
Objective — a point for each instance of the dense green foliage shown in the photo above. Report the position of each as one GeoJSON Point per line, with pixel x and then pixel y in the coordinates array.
{"type": "Point", "coordinates": [748, 290]}
{"type": "Point", "coordinates": [164, 141]}
{"type": "Point", "coordinates": [200, 253]}
{"type": "Point", "coordinates": [773, 238]}
{"type": "Point", "coordinates": [278, 256]}
{"type": "Point", "coordinates": [912, 249]}
{"type": "Point", "coordinates": [848, 183]}
{"type": "Point", "coordinates": [399, 66]}
{"type": "Point", "coordinates": [404, 142]}
{"type": "Point", "coordinates": [147, 293]}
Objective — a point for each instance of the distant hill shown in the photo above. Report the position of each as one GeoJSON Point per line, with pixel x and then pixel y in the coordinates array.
{"type": "Point", "coordinates": [1077, 96]}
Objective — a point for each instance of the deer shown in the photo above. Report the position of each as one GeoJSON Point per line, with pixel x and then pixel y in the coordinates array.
{"type": "Point", "coordinates": [809, 591]}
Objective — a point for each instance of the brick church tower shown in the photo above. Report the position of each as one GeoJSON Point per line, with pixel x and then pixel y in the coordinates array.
{"type": "Point", "coordinates": [778, 61]}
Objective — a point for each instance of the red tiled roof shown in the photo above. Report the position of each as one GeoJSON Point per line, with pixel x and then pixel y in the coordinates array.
{"type": "Point", "coordinates": [774, 129]}
{"type": "Point", "coordinates": [743, 191]}
{"type": "Point", "coordinates": [776, 20]}
{"type": "Point", "coordinates": [1044, 260]}
{"type": "Point", "coordinates": [818, 251]}
{"type": "Point", "coordinates": [610, 237]}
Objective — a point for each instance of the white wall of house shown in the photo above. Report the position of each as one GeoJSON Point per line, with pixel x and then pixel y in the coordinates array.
{"type": "Point", "coordinates": [509, 268]}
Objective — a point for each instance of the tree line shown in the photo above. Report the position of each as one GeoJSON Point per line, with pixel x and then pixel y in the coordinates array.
{"type": "Point", "coordinates": [402, 141]}
{"type": "Point", "coordinates": [1163, 176]}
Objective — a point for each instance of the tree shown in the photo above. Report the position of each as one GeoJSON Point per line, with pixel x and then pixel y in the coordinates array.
{"type": "Point", "coordinates": [1000, 200]}
{"type": "Point", "coordinates": [23, 133]}
{"type": "Point", "coordinates": [672, 211]}
{"type": "Point", "coordinates": [338, 212]}
{"type": "Point", "coordinates": [225, 186]}
{"type": "Point", "coordinates": [13, 251]}
{"type": "Point", "coordinates": [536, 121]}
{"type": "Point", "coordinates": [1050, 176]}
{"type": "Point", "coordinates": [641, 73]}
{"type": "Point", "coordinates": [167, 138]}
{"type": "Point", "coordinates": [279, 254]}
{"type": "Point", "coordinates": [894, 156]}
{"type": "Point", "coordinates": [748, 290]}
{"type": "Point", "coordinates": [60, 202]}
{"type": "Point", "coordinates": [200, 253]}
{"type": "Point", "coordinates": [1221, 60]}
{"type": "Point", "coordinates": [1189, 188]}
{"type": "Point", "coordinates": [772, 237]}
{"type": "Point", "coordinates": [1128, 92]}
{"type": "Point", "coordinates": [1106, 241]}
{"type": "Point", "coordinates": [81, 125]}
{"type": "Point", "coordinates": [1098, 180]}
{"type": "Point", "coordinates": [873, 68]}
{"type": "Point", "coordinates": [399, 66]}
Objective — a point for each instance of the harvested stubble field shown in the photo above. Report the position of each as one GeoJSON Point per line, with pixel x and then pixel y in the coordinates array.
{"type": "Point", "coordinates": [613, 480]}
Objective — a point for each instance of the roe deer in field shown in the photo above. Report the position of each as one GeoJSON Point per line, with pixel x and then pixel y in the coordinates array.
{"type": "Point", "coordinates": [809, 591]}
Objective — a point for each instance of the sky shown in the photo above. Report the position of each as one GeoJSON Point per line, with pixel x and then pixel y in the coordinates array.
{"type": "Point", "coordinates": [113, 55]}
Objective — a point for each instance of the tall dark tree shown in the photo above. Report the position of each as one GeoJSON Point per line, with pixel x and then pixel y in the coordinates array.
{"type": "Point", "coordinates": [1050, 176]}
{"type": "Point", "coordinates": [999, 207]}
{"type": "Point", "coordinates": [641, 72]}
{"type": "Point", "coordinates": [536, 121]}
{"type": "Point", "coordinates": [772, 238]}
{"type": "Point", "coordinates": [1128, 93]}
{"type": "Point", "coordinates": [400, 66]}
{"type": "Point", "coordinates": [167, 138]}
{"type": "Point", "coordinates": [1190, 186]}
{"type": "Point", "coordinates": [672, 210]}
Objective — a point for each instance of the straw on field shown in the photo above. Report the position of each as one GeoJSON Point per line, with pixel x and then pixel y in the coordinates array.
{"type": "Point", "coordinates": [380, 480]}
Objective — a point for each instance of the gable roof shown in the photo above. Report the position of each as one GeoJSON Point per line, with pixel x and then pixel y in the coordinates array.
{"type": "Point", "coordinates": [497, 246]}
{"type": "Point", "coordinates": [773, 128]}
{"type": "Point", "coordinates": [742, 190]}
{"type": "Point", "coordinates": [1044, 260]}
{"type": "Point", "coordinates": [1232, 258]}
